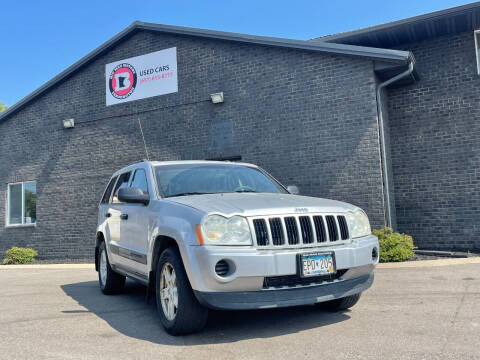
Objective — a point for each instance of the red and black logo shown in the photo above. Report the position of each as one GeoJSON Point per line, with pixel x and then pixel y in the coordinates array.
{"type": "Point", "coordinates": [123, 80]}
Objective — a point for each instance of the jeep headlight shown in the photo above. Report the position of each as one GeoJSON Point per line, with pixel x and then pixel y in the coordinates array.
{"type": "Point", "coordinates": [219, 230]}
{"type": "Point", "coordinates": [358, 224]}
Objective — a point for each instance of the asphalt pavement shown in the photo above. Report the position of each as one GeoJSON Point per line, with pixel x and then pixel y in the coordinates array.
{"type": "Point", "coordinates": [426, 310]}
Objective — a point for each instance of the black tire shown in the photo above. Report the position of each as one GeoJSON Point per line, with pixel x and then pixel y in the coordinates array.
{"type": "Point", "coordinates": [190, 316]}
{"type": "Point", "coordinates": [340, 304]}
{"type": "Point", "coordinates": [114, 282]}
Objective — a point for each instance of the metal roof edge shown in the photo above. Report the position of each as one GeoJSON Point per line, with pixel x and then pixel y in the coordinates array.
{"type": "Point", "coordinates": [396, 56]}
{"type": "Point", "coordinates": [352, 50]}
{"type": "Point", "coordinates": [410, 20]}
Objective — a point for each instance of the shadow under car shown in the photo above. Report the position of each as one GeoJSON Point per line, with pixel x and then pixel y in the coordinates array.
{"type": "Point", "coordinates": [130, 314]}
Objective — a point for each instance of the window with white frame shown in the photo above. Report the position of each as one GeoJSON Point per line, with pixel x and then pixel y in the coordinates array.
{"type": "Point", "coordinates": [22, 203]}
{"type": "Point", "coordinates": [476, 34]}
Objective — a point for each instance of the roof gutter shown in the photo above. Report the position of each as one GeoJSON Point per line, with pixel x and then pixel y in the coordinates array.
{"type": "Point", "coordinates": [386, 175]}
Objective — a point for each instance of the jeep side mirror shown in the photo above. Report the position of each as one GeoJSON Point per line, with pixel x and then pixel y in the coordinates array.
{"type": "Point", "coordinates": [133, 195]}
{"type": "Point", "coordinates": [293, 189]}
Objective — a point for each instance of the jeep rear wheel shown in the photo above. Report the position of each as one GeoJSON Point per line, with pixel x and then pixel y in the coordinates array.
{"type": "Point", "coordinates": [178, 308]}
{"type": "Point", "coordinates": [110, 281]}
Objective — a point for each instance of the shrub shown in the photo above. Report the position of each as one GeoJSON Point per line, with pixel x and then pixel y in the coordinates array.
{"type": "Point", "coordinates": [394, 246]}
{"type": "Point", "coordinates": [18, 255]}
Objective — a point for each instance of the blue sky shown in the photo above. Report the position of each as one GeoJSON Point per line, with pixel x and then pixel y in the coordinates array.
{"type": "Point", "coordinates": [39, 39]}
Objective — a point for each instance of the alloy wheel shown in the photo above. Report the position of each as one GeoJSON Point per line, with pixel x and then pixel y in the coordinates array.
{"type": "Point", "coordinates": [169, 291]}
{"type": "Point", "coordinates": [103, 268]}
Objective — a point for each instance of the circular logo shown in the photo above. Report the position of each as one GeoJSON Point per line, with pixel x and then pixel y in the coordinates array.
{"type": "Point", "coordinates": [122, 81]}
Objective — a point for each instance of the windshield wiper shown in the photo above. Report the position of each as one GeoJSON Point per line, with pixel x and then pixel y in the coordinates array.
{"type": "Point", "coordinates": [203, 193]}
{"type": "Point", "coordinates": [188, 193]}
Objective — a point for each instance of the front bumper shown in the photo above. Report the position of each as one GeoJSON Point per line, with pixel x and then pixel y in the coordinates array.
{"type": "Point", "coordinates": [249, 266]}
{"type": "Point", "coordinates": [265, 299]}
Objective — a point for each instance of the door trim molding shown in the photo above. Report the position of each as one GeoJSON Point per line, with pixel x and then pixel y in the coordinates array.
{"type": "Point", "coordinates": [128, 253]}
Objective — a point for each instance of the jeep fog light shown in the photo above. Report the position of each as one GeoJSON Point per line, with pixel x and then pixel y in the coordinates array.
{"type": "Point", "coordinates": [222, 268]}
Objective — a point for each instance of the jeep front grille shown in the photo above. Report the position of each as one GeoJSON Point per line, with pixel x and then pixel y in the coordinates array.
{"type": "Point", "coordinates": [261, 232]}
{"type": "Point", "coordinates": [332, 228]}
{"type": "Point", "coordinates": [292, 230]}
{"type": "Point", "coordinates": [299, 230]}
{"type": "Point", "coordinates": [278, 237]}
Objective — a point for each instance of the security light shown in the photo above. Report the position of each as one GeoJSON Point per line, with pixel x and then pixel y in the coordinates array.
{"type": "Point", "coordinates": [68, 123]}
{"type": "Point", "coordinates": [217, 97]}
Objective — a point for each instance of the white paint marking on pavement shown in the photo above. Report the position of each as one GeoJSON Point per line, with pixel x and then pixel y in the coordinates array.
{"type": "Point", "coordinates": [48, 266]}
{"type": "Point", "coordinates": [430, 263]}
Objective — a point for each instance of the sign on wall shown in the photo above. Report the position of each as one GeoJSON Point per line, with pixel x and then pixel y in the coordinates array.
{"type": "Point", "coordinates": [142, 76]}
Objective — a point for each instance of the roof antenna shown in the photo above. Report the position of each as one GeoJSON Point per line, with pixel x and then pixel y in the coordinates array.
{"type": "Point", "coordinates": [143, 138]}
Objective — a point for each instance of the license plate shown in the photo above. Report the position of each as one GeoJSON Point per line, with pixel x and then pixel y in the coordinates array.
{"type": "Point", "coordinates": [316, 264]}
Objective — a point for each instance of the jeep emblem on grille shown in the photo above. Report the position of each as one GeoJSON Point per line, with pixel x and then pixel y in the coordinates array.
{"type": "Point", "coordinates": [301, 210]}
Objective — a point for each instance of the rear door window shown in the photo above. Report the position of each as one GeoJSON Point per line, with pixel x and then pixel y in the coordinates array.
{"type": "Point", "coordinates": [121, 183]}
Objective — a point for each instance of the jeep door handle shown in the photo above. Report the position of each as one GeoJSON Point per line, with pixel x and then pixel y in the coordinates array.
{"type": "Point", "coordinates": [108, 215]}
{"type": "Point", "coordinates": [124, 216]}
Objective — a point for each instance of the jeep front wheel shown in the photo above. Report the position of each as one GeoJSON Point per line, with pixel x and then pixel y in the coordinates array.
{"type": "Point", "coordinates": [178, 308]}
{"type": "Point", "coordinates": [340, 304]}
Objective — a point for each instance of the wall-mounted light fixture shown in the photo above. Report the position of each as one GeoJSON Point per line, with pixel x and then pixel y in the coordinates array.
{"type": "Point", "coordinates": [217, 98]}
{"type": "Point", "coordinates": [68, 123]}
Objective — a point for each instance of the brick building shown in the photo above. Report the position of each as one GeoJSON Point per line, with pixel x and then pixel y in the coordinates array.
{"type": "Point", "coordinates": [320, 114]}
{"type": "Point", "coordinates": [434, 125]}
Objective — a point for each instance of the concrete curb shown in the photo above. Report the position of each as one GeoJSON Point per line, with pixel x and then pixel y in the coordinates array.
{"type": "Point", "coordinates": [48, 266]}
{"type": "Point", "coordinates": [430, 263]}
{"type": "Point", "coordinates": [408, 264]}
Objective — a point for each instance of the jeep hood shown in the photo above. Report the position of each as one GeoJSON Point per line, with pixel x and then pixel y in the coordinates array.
{"type": "Point", "coordinates": [258, 204]}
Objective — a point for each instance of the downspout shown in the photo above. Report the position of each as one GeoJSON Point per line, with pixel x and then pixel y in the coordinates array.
{"type": "Point", "coordinates": [388, 215]}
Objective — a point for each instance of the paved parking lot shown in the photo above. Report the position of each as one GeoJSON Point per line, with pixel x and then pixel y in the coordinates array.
{"type": "Point", "coordinates": [421, 312]}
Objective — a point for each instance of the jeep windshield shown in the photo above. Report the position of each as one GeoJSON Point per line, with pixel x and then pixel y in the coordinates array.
{"type": "Point", "coordinates": [195, 179]}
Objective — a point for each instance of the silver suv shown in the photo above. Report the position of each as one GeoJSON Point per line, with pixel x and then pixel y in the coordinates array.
{"type": "Point", "coordinates": [219, 235]}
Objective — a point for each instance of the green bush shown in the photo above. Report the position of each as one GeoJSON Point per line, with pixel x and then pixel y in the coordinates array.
{"type": "Point", "coordinates": [394, 246]}
{"type": "Point", "coordinates": [18, 255]}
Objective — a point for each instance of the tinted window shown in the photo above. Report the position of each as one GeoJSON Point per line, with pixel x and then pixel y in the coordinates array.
{"type": "Point", "coordinates": [108, 191]}
{"type": "Point", "coordinates": [140, 181]}
{"type": "Point", "coordinates": [187, 179]}
{"type": "Point", "coordinates": [121, 183]}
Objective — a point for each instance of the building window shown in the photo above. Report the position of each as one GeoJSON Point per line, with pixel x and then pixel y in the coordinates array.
{"type": "Point", "coordinates": [22, 203]}
{"type": "Point", "coordinates": [477, 49]}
